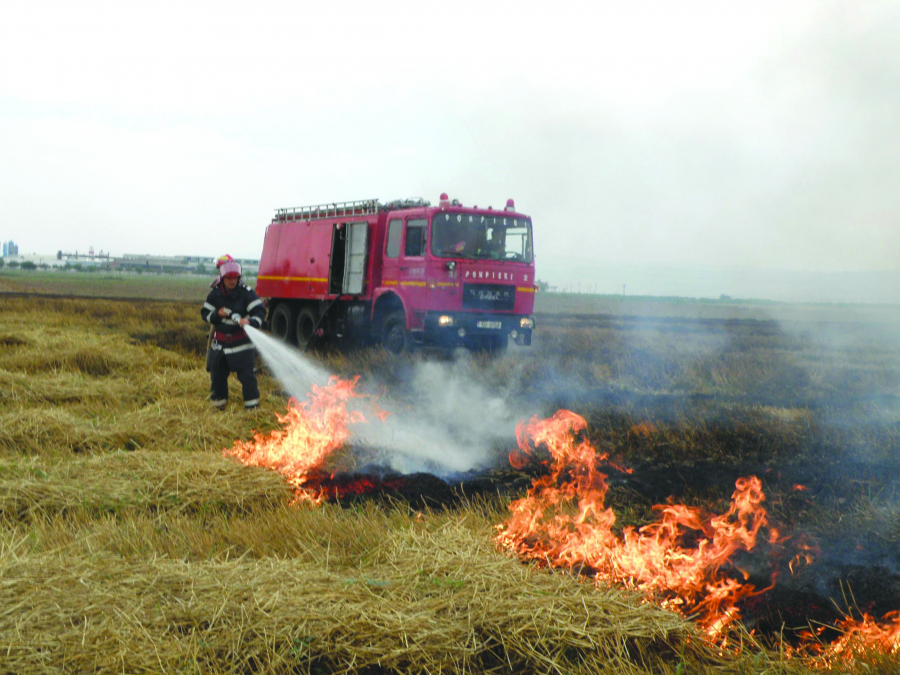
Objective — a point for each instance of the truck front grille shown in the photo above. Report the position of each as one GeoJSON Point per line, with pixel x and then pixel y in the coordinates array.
{"type": "Point", "coordinates": [489, 296]}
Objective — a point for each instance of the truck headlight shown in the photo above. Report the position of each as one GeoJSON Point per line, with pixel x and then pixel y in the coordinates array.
{"type": "Point", "coordinates": [445, 320]}
{"type": "Point", "coordinates": [526, 322]}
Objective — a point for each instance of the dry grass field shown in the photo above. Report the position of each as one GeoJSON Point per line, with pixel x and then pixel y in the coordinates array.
{"type": "Point", "coordinates": [150, 286]}
{"type": "Point", "coordinates": [128, 543]}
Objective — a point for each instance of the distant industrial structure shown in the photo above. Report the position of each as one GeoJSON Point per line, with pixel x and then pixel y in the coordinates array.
{"type": "Point", "coordinates": [130, 262]}
{"type": "Point", "coordinates": [84, 259]}
{"type": "Point", "coordinates": [187, 263]}
{"type": "Point", "coordinates": [90, 255]}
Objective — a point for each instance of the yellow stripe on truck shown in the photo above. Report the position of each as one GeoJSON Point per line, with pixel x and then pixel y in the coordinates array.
{"type": "Point", "coordinates": [525, 289]}
{"type": "Point", "coordinates": [293, 279]}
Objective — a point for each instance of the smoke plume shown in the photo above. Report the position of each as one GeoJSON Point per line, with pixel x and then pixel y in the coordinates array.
{"type": "Point", "coordinates": [453, 424]}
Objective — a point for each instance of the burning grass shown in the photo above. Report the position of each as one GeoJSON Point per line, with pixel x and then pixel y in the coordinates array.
{"type": "Point", "coordinates": [678, 561]}
{"type": "Point", "coordinates": [129, 543]}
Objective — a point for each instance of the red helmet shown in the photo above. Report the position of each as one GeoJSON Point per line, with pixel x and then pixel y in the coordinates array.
{"type": "Point", "coordinates": [230, 269]}
{"type": "Point", "coordinates": [222, 259]}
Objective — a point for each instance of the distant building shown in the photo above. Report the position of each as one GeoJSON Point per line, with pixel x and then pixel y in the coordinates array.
{"type": "Point", "coordinates": [37, 259]}
{"type": "Point", "coordinates": [184, 263]}
{"type": "Point", "coordinates": [81, 259]}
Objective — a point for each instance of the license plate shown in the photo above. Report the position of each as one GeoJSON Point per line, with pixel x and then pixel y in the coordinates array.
{"type": "Point", "coordinates": [493, 325]}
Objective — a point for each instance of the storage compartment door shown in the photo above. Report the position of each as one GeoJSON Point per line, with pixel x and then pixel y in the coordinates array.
{"type": "Point", "coordinates": [355, 261]}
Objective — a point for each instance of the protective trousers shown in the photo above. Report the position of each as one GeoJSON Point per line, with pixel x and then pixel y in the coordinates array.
{"type": "Point", "coordinates": [220, 365]}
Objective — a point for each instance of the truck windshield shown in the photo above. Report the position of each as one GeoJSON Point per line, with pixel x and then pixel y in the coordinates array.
{"type": "Point", "coordinates": [477, 236]}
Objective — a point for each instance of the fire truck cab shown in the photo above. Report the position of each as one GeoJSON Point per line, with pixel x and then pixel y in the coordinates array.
{"type": "Point", "coordinates": [403, 273]}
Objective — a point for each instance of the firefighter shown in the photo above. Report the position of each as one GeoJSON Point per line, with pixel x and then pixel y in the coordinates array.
{"type": "Point", "coordinates": [494, 246]}
{"type": "Point", "coordinates": [229, 307]}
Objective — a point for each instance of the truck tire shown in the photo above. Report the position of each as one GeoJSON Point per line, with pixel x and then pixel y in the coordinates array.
{"type": "Point", "coordinates": [281, 323]}
{"type": "Point", "coordinates": [395, 338]}
{"type": "Point", "coordinates": [306, 323]}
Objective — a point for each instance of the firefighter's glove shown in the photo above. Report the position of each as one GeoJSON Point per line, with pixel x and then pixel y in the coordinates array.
{"type": "Point", "coordinates": [224, 311]}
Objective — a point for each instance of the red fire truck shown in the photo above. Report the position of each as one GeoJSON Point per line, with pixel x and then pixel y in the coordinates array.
{"type": "Point", "coordinates": [404, 273]}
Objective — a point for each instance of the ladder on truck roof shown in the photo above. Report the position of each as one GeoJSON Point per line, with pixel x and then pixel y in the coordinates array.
{"type": "Point", "coordinates": [362, 207]}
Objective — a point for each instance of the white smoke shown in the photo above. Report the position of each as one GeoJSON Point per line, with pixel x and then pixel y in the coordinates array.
{"type": "Point", "coordinates": [452, 426]}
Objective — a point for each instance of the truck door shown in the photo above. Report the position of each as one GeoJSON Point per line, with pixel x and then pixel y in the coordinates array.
{"type": "Point", "coordinates": [411, 272]}
{"type": "Point", "coordinates": [390, 269]}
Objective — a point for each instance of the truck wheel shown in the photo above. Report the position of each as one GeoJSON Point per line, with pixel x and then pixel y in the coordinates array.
{"type": "Point", "coordinates": [306, 322]}
{"type": "Point", "coordinates": [395, 338]}
{"type": "Point", "coordinates": [282, 323]}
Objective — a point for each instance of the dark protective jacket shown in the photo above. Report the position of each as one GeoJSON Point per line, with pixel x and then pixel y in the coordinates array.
{"type": "Point", "coordinates": [230, 339]}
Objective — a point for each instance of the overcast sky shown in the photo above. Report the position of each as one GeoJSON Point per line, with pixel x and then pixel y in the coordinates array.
{"type": "Point", "coordinates": [679, 134]}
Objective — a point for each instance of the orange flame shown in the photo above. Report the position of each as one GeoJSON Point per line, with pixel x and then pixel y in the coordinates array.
{"type": "Point", "coordinates": [312, 432]}
{"type": "Point", "coordinates": [564, 522]}
{"type": "Point", "coordinates": [866, 636]}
